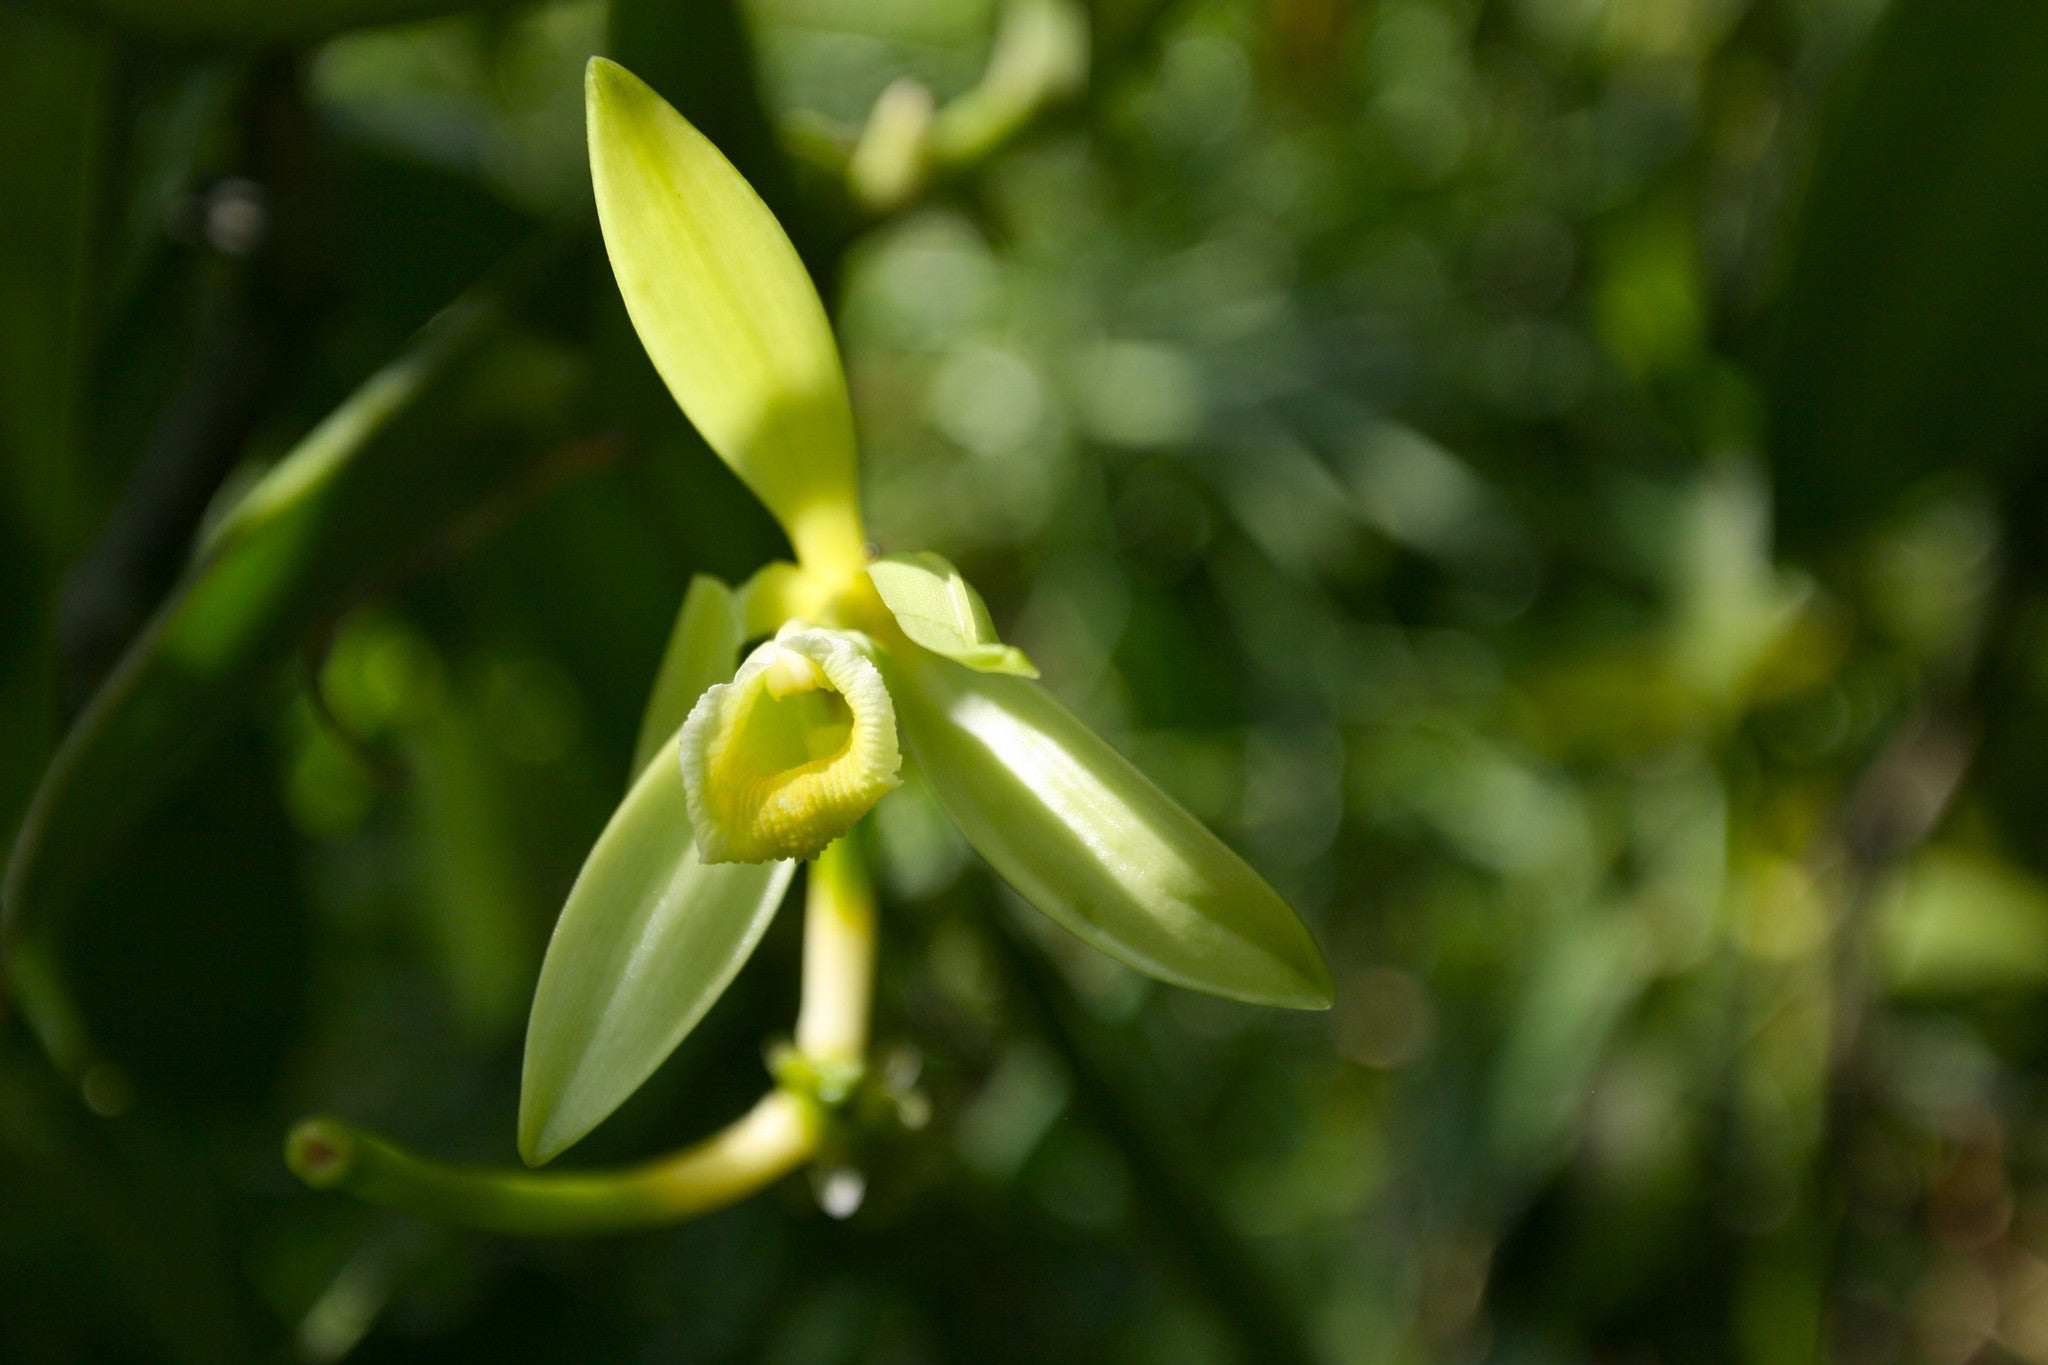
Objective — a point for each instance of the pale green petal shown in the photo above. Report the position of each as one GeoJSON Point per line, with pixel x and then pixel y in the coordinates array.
{"type": "Point", "coordinates": [727, 313]}
{"type": "Point", "coordinates": [703, 649]}
{"type": "Point", "coordinates": [939, 609]}
{"type": "Point", "coordinates": [649, 940]}
{"type": "Point", "coordinates": [1089, 840]}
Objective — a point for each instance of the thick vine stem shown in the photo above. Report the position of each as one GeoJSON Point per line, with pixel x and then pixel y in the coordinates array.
{"type": "Point", "coordinates": [782, 1132]}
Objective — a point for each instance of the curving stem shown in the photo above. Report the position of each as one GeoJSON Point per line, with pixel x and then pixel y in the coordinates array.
{"type": "Point", "coordinates": [778, 1135]}
{"type": "Point", "coordinates": [774, 1138]}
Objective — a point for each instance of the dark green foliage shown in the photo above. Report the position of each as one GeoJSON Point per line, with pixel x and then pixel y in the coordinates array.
{"type": "Point", "coordinates": [1916, 308]}
{"type": "Point", "coordinates": [1558, 486]}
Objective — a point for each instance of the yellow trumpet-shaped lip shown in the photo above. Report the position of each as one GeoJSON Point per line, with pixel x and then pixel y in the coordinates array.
{"type": "Point", "coordinates": [787, 756]}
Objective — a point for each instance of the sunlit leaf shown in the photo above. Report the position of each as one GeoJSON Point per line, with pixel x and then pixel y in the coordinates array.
{"type": "Point", "coordinates": [1089, 840]}
{"type": "Point", "coordinates": [940, 610]}
{"type": "Point", "coordinates": [727, 313]}
{"type": "Point", "coordinates": [462, 415]}
{"type": "Point", "coordinates": [648, 941]}
{"type": "Point", "coordinates": [702, 650]}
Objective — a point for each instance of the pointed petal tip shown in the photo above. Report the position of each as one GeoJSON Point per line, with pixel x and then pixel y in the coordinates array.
{"type": "Point", "coordinates": [550, 1124]}
{"type": "Point", "coordinates": [548, 1117]}
{"type": "Point", "coordinates": [1318, 987]}
{"type": "Point", "coordinates": [529, 1145]}
{"type": "Point", "coordinates": [606, 83]}
{"type": "Point", "coordinates": [597, 75]}
{"type": "Point", "coordinates": [1290, 987]}
{"type": "Point", "coordinates": [538, 1142]}
{"type": "Point", "coordinates": [647, 943]}
{"type": "Point", "coordinates": [1084, 836]}
{"type": "Point", "coordinates": [1314, 996]}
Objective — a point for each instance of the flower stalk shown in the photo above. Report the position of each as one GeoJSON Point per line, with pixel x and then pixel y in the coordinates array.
{"type": "Point", "coordinates": [839, 958]}
{"type": "Point", "coordinates": [786, 1129]}
{"type": "Point", "coordinates": [775, 1137]}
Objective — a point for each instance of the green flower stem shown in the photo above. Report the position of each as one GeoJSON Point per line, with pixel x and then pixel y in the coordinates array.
{"type": "Point", "coordinates": [839, 957]}
{"type": "Point", "coordinates": [779, 1134]}
{"type": "Point", "coordinates": [772, 1139]}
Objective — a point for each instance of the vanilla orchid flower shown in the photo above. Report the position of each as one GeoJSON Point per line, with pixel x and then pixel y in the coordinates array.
{"type": "Point", "coordinates": [744, 770]}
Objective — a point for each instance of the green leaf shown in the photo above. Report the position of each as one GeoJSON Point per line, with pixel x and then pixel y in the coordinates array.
{"type": "Point", "coordinates": [940, 610]}
{"type": "Point", "coordinates": [58, 83]}
{"type": "Point", "coordinates": [251, 23]}
{"type": "Point", "coordinates": [649, 940]}
{"type": "Point", "coordinates": [472, 900]}
{"type": "Point", "coordinates": [1914, 326]}
{"type": "Point", "coordinates": [463, 415]}
{"type": "Point", "coordinates": [1089, 840]}
{"type": "Point", "coordinates": [727, 313]}
{"type": "Point", "coordinates": [702, 650]}
{"type": "Point", "coordinates": [1578, 981]}
{"type": "Point", "coordinates": [57, 86]}
{"type": "Point", "coordinates": [1958, 923]}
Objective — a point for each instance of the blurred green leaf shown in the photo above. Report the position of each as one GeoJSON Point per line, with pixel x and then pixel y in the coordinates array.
{"type": "Point", "coordinates": [1915, 319]}
{"type": "Point", "coordinates": [727, 313]}
{"type": "Point", "coordinates": [252, 23]}
{"type": "Point", "coordinates": [1576, 989]}
{"type": "Point", "coordinates": [1958, 922]}
{"type": "Point", "coordinates": [940, 610]}
{"type": "Point", "coordinates": [223, 950]}
{"type": "Point", "coordinates": [462, 415]}
{"type": "Point", "coordinates": [473, 891]}
{"type": "Point", "coordinates": [701, 651]}
{"type": "Point", "coordinates": [54, 88]}
{"type": "Point", "coordinates": [1089, 840]}
{"type": "Point", "coordinates": [1039, 53]}
{"type": "Point", "coordinates": [649, 939]}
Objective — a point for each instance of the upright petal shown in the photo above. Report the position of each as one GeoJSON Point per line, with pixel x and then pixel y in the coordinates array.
{"type": "Point", "coordinates": [649, 940]}
{"type": "Point", "coordinates": [1089, 840]}
{"type": "Point", "coordinates": [727, 313]}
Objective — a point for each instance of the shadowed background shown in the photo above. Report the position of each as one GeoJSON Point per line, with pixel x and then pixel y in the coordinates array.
{"type": "Point", "coordinates": [1559, 485]}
